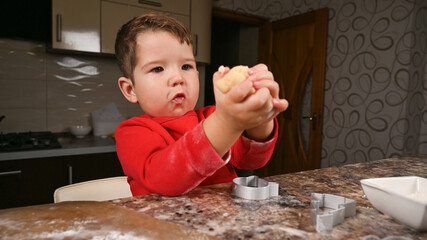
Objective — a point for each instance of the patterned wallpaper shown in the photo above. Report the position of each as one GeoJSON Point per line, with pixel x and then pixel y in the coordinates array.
{"type": "Point", "coordinates": [376, 74]}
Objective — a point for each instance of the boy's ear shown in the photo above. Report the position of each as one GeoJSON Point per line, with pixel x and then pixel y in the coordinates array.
{"type": "Point", "coordinates": [127, 88]}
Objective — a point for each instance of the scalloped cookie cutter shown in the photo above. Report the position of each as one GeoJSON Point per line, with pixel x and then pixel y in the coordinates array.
{"type": "Point", "coordinates": [254, 188]}
{"type": "Point", "coordinates": [344, 207]}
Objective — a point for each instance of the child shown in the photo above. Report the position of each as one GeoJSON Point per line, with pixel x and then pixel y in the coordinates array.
{"type": "Point", "coordinates": [173, 148]}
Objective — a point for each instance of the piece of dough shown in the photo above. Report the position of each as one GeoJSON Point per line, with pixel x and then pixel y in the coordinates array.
{"type": "Point", "coordinates": [235, 76]}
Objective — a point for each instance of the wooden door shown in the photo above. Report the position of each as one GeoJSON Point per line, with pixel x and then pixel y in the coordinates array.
{"type": "Point", "coordinates": [295, 49]}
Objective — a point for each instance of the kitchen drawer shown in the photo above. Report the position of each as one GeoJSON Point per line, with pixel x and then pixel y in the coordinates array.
{"type": "Point", "coordinates": [171, 6]}
{"type": "Point", "coordinates": [33, 181]}
{"type": "Point", "coordinates": [10, 184]}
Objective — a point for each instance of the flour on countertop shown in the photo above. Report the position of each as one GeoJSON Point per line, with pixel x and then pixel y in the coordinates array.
{"type": "Point", "coordinates": [81, 232]}
{"type": "Point", "coordinates": [77, 229]}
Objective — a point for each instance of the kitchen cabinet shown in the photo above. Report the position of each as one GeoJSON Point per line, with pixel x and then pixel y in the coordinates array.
{"type": "Point", "coordinates": [10, 184]}
{"type": "Point", "coordinates": [33, 181]}
{"type": "Point", "coordinates": [91, 26]}
{"type": "Point", "coordinates": [201, 20]}
{"type": "Point", "coordinates": [116, 13]}
{"type": "Point", "coordinates": [76, 25]}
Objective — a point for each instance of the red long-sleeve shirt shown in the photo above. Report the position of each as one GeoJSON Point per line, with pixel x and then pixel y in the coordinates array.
{"type": "Point", "coordinates": [172, 155]}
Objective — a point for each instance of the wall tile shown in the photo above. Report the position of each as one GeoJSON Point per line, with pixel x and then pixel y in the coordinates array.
{"type": "Point", "coordinates": [79, 67]}
{"type": "Point", "coordinates": [60, 119]}
{"type": "Point", "coordinates": [22, 94]}
{"type": "Point", "coordinates": [64, 89]}
{"type": "Point", "coordinates": [23, 119]}
{"type": "Point", "coordinates": [7, 44]}
{"type": "Point", "coordinates": [22, 60]}
{"type": "Point", "coordinates": [84, 92]}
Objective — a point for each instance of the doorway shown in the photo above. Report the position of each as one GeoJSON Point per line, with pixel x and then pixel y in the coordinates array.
{"type": "Point", "coordinates": [294, 49]}
{"type": "Point", "coordinates": [235, 41]}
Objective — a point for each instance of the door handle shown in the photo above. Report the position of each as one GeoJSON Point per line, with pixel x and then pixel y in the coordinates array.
{"type": "Point", "coordinates": [58, 27]}
{"type": "Point", "coordinates": [195, 44]}
{"type": "Point", "coordinates": [313, 120]}
{"type": "Point", "coordinates": [70, 174]}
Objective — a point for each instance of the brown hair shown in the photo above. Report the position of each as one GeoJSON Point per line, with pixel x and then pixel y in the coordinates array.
{"type": "Point", "coordinates": [126, 37]}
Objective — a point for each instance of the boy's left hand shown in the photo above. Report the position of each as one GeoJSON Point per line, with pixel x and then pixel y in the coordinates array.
{"type": "Point", "coordinates": [242, 111]}
{"type": "Point", "coordinates": [267, 92]}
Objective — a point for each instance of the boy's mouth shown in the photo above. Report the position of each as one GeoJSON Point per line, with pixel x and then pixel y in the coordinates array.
{"type": "Point", "coordinates": [179, 98]}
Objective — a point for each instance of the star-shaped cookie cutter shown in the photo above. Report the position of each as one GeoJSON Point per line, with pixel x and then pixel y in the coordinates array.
{"type": "Point", "coordinates": [254, 188]}
{"type": "Point", "coordinates": [344, 207]}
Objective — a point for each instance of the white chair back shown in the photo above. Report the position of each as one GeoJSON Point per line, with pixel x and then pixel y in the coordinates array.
{"type": "Point", "coordinates": [96, 190]}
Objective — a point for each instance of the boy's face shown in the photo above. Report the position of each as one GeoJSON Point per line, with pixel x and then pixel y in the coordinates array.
{"type": "Point", "coordinates": [166, 80]}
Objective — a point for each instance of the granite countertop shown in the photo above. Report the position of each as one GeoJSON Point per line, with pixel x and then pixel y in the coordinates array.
{"type": "Point", "coordinates": [88, 220]}
{"type": "Point", "coordinates": [214, 211]}
{"type": "Point", "coordinates": [211, 212]}
{"type": "Point", "coordinates": [70, 146]}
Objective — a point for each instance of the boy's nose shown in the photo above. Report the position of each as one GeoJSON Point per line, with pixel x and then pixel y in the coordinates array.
{"type": "Point", "coordinates": [176, 79]}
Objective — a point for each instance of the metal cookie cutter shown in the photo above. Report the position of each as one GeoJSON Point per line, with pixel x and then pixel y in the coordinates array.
{"type": "Point", "coordinates": [254, 188]}
{"type": "Point", "coordinates": [344, 207]}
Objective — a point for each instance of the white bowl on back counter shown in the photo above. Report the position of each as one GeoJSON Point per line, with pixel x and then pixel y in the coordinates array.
{"type": "Point", "coordinates": [80, 131]}
{"type": "Point", "coordinates": [403, 198]}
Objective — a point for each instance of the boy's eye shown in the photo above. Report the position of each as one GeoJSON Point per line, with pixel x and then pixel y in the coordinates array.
{"type": "Point", "coordinates": [157, 69]}
{"type": "Point", "coordinates": [186, 67]}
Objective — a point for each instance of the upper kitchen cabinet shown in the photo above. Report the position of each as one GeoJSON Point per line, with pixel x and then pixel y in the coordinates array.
{"type": "Point", "coordinates": [201, 19]}
{"type": "Point", "coordinates": [92, 25]}
{"type": "Point", "coordinates": [115, 13]}
{"type": "Point", "coordinates": [76, 25]}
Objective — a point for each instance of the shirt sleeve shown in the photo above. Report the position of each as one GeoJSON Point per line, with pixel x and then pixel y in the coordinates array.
{"type": "Point", "coordinates": [249, 154]}
{"type": "Point", "coordinates": [162, 165]}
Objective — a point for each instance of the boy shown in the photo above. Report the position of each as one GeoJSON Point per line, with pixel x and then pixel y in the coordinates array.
{"type": "Point", "coordinates": [174, 148]}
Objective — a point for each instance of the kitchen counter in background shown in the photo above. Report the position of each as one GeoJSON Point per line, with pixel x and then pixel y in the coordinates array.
{"type": "Point", "coordinates": [31, 177]}
{"type": "Point", "coordinates": [211, 210]}
{"type": "Point", "coordinates": [70, 146]}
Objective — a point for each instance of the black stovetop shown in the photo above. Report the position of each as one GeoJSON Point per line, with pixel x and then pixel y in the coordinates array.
{"type": "Point", "coordinates": [24, 141]}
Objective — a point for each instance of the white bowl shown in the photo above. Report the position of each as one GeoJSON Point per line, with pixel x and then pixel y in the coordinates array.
{"type": "Point", "coordinates": [80, 131]}
{"type": "Point", "coordinates": [403, 198]}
